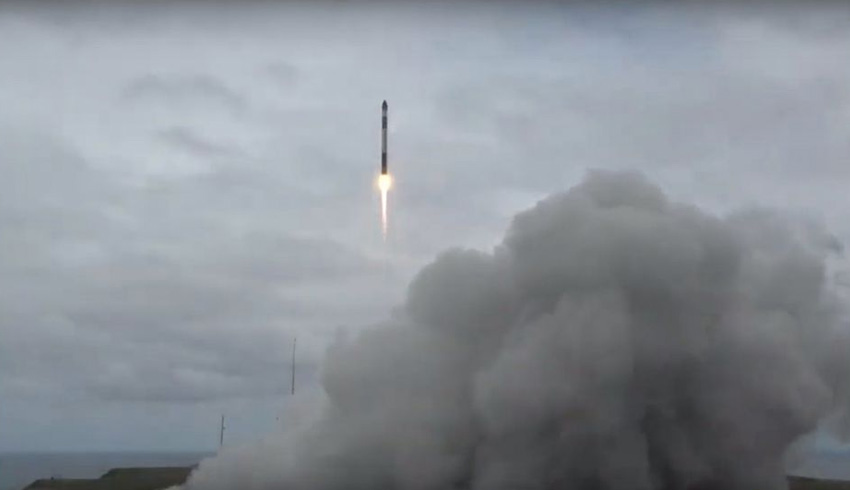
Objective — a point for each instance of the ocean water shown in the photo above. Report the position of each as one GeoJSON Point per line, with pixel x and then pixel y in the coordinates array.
{"type": "Point", "coordinates": [18, 470]}
{"type": "Point", "coordinates": [825, 464]}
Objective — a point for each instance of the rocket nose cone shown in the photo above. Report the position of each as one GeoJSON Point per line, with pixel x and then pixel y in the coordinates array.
{"type": "Point", "coordinates": [384, 105]}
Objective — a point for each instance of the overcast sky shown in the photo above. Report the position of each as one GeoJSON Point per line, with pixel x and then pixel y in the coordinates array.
{"type": "Point", "coordinates": [183, 189]}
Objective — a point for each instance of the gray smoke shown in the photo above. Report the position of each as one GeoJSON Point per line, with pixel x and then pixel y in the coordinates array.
{"type": "Point", "coordinates": [614, 340]}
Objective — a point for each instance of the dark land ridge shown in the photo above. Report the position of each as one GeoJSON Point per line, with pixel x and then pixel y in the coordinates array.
{"type": "Point", "coordinates": [120, 479]}
{"type": "Point", "coordinates": [165, 477]}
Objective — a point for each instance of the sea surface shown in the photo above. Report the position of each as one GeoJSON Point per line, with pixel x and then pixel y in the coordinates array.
{"type": "Point", "coordinates": [833, 465]}
{"type": "Point", "coordinates": [18, 470]}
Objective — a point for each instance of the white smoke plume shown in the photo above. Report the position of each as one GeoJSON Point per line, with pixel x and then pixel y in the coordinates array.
{"type": "Point", "coordinates": [614, 340]}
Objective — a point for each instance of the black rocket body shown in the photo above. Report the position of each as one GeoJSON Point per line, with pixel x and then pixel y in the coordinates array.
{"type": "Point", "coordinates": [384, 138]}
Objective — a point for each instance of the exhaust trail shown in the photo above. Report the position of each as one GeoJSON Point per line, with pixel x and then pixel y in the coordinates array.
{"type": "Point", "coordinates": [384, 184]}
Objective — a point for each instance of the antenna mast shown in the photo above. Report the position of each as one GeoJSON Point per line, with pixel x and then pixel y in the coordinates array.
{"type": "Point", "coordinates": [221, 433]}
{"type": "Point", "coordinates": [294, 340]}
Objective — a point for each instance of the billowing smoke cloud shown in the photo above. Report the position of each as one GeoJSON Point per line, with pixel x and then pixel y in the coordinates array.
{"type": "Point", "coordinates": [614, 340]}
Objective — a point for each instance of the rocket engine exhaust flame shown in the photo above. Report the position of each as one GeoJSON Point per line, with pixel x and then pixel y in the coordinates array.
{"type": "Point", "coordinates": [384, 184]}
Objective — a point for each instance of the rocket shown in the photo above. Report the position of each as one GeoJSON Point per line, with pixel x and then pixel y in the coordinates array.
{"type": "Point", "coordinates": [384, 180]}
{"type": "Point", "coordinates": [384, 138]}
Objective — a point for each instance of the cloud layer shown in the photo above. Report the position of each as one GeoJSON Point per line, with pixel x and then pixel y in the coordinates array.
{"type": "Point", "coordinates": [187, 186]}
